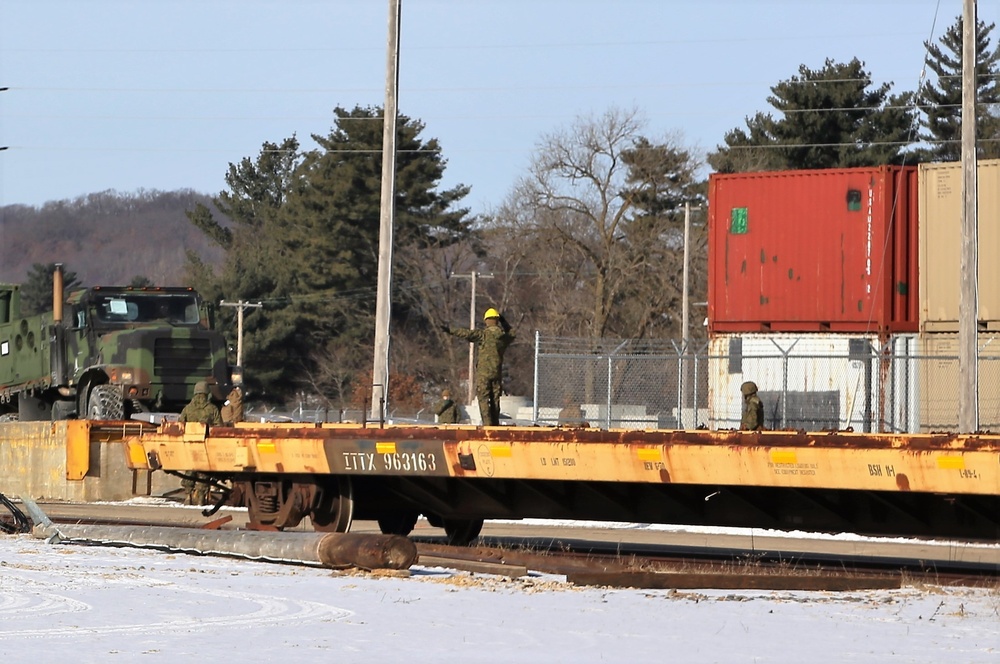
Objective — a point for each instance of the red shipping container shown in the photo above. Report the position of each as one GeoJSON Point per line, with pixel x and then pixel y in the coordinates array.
{"type": "Point", "coordinates": [817, 250]}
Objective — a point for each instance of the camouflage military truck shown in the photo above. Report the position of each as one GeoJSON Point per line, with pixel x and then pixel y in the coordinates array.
{"type": "Point", "coordinates": [107, 353]}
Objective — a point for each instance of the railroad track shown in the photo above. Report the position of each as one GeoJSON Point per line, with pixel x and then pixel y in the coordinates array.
{"type": "Point", "coordinates": [643, 565]}
{"type": "Point", "coordinates": [587, 564]}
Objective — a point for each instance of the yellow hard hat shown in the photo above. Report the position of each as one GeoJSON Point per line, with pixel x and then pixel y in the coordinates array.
{"type": "Point", "coordinates": [491, 313]}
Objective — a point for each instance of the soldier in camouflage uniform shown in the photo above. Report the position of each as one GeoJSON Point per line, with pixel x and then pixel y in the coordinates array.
{"type": "Point", "coordinates": [199, 409]}
{"type": "Point", "coordinates": [447, 410]}
{"type": "Point", "coordinates": [492, 342]}
{"type": "Point", "coordinates": [753, 408]}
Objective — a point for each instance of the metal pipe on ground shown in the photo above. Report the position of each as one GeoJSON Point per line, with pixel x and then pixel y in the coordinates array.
{"type": "Point", "coordinates": [332, 550]}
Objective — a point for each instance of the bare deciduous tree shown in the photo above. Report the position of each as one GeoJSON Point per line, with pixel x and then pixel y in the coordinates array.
{"type": "Point", "coordinates": [594, 228]}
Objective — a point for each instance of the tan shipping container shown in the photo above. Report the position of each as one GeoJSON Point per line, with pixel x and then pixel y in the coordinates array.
{"type": "Point", "coordinates": [940, 232]}
{"type": "Point", "coordinates": [938, 382]}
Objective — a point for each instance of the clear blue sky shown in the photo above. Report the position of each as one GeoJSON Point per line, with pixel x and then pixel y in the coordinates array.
{"type": "Point", "coordinates": [164, 94]}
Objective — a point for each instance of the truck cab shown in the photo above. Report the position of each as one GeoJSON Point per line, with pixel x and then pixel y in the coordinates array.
{"type": "Point", "coordinates": [107, 353]}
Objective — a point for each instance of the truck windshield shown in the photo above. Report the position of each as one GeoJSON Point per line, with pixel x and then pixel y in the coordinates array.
{"type": "Point", "coordinates": [180, 309]}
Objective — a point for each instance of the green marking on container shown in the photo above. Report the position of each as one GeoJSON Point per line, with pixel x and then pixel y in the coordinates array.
{"type": "Point", "coordinates": [853, 200]}
{"type": "Point", "coordinates": [738, 221]}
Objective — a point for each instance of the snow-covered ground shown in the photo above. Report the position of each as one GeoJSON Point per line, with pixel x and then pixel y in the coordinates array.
{"type": "Point", "coordinates": [94, 604]}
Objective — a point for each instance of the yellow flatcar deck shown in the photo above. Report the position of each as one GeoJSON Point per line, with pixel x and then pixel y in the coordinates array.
{"type": "Point", "coordinates": [950, 464]}
{"type": "Point", "coordinates": [884, 484]}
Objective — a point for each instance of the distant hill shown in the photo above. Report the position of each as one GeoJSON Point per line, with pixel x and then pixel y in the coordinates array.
{"type": "Point", "coordinates": [107, 238]}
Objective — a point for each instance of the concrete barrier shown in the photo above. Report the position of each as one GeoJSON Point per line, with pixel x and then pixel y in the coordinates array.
{"type": "Point", "coordinates": [72, 460]}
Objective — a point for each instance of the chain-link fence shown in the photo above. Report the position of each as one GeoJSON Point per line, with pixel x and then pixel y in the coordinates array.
{"type": "Point", "coordinates": [908, 383]}
{"type": "Point", "coordinates": [618, 383]}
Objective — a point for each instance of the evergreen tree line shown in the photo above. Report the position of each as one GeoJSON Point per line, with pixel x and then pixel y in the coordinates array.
{"type": "Point", "coordinates": [588, 243]}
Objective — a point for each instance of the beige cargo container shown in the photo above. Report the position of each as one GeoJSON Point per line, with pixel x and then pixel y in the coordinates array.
{"type": "Point", "coordinates": [940, 233]}
{"type": "Point", "coordinates": [938, 386]}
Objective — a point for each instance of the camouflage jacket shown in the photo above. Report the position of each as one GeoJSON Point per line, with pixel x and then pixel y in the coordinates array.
{"type": "Point", "coordinates": [753, 413]}
{"type": "Point", "coordinates": [447, 412]}
{"type": "Point", "coordinates": [200, 409]}
{"type": "Point", "coordinates": [492, 342]}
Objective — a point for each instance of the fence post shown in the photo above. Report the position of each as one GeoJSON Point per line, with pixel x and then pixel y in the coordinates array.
{"type": "Point", "coordinates": [607, 422]}
{"type": "Point", "coordinates": [784, 380]}
{"type": "Point", "coordinates": [694, 399]}
{"type": "Point", "coordinates": [680, 385]}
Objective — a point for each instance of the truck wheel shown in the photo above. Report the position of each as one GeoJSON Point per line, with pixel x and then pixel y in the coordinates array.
{"type": "Point", "coordinates": [63, 410]}
{"type": "Point", "coordinates": [105, 403]}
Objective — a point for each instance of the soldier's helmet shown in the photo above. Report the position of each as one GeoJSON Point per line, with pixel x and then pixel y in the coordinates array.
{"type": "Point", "coordinates": [201, 387]}
{"type": "Point", "coordinates": [446, 394]}
{"type": "Point", "coordinates": [748, 388]}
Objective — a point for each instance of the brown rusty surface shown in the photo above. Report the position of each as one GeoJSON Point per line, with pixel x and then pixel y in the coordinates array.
{"type": "Point", "coordinates": [217, 523]}
{"type": "Point", "coordinates": [734, 581]}
{"type": "Point", "coordinates": [366, 551]}
{"type": "Point", "coordinates": [631, 571]}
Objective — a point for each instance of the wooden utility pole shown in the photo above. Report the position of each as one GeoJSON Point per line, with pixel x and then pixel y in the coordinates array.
{"type": "Point", "coordinates": [240, 306]}
{"type": "Point", "coordinates": [383, 301]}
{"type": "Point", "coordinates": [685, 305]}
{"type": "Point", "coordinates": [472, 276]}
{"type": "Point", "coordinates": [968, 305]}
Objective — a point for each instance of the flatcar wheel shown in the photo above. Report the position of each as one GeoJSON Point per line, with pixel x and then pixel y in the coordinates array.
{"type": "Point", "coordinates": [398, 523]}
{"type": "Point", "coordinates": [334, 510]}
{"type": "Point", "coordinates": [461, 532]}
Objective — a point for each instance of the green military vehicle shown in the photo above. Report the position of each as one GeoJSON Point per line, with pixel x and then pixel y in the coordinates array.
{"type": "Point", "coordinates": [107, 353]}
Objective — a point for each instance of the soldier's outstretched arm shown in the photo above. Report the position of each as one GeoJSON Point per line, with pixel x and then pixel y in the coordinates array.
{"type": "Point", "coordinates": [469, 335]}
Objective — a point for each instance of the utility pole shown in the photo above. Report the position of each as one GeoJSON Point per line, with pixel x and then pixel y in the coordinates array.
{"type": "Point", "coordinates": [472, 276]}
{"type": "Point", "coordinates": [380, 366]}
{"type": "Point", "coordinates": [240, 306]}
{"type": "Point", "coordinates": [968, 304]}
{"type": "Point", "coordinates": [685, 304]}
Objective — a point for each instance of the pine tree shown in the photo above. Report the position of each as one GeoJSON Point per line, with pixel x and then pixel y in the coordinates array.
{"type": "Point", "coordinates": [830, 117]}
{"type": "Point", "coordinates": [941, 101]}
{"type": "Point", "coordinates": [36, 291]}
{"type": "Point", "coordinates": [303, 237]}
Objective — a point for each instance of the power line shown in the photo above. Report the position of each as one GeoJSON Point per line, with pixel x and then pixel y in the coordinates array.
{"type": "Point", "coordinates": [645, 84]}
{"type": "Point", "coordinates": [837, 38]}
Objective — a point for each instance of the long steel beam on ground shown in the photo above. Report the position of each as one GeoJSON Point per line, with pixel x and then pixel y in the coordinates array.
{"type": "Point", "coordinates": [541, 535]}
